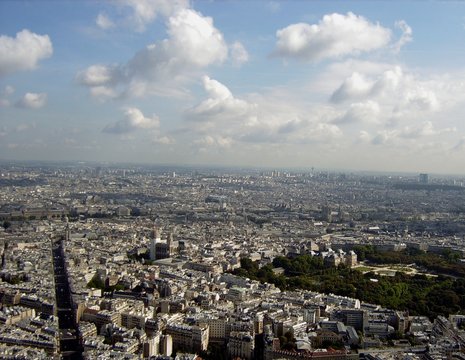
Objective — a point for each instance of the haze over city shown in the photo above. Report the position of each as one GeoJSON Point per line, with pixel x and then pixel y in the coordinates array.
{"type": "Point", "coordinates": [361, 85]}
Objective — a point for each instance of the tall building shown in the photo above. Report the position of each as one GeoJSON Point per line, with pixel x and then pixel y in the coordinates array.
{"type": "Point", "coordinates": [351, 317]}
{"type": "Point", "coordinates": [155, 239]}
{"type": "Point", "coordinates": [151, 346]}
{"type": "Point", "coordinates": [166, 345]}
{"type": "Point", "coordinates": [162, 249]}
{"type": "Point", "coordinates": [351, 259]}
{"type": "Point", "coordinates": [423, 178]}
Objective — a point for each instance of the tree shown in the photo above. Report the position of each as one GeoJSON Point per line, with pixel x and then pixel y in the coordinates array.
{"type": "Point", "coordinates": [420, 294]}
{"type": "Point", "coordinates": [451, 256]}
{"type": "Point", "coordinates": [288, 341]}
{"type": "Point", "coordinates": [363, 251]}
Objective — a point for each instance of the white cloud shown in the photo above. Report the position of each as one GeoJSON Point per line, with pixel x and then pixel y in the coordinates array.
{"type": "Point", "coordinates": [317, 133]}
{"type": "Point", "coordinates": [193, 40]}
{"type": "Point", "coordinates": [411, 134]}
{"type": "Point", "coordinates": [406, 36]}
{"type": "Point", "coordinates": [146, 11]}
{"type": "Point", "coordinates": [383, 109]}
{"type": "Point", "coordinates": [267, 119]}
{"type": "Point", "coordinates": [214, 141]}
{"type": "Point", "coordinates": [164, 140]}
{"type": "Point", "coordinates": [364, 136]}
{"type": "Point", "coordinates": [355, 86]}
{"type": "Point", "coordinates": [335, 35]}
{"type": "Point", "coordinates": [399, 92]}
{"type": "Point", "coordinates": [193, 43]}
{"type": "Point", "coordinates": [239, 54]}
{"type": "Point", "coordinates": [385, 115]}
{"type": "Point", "coordinates": [367, 112]}
{"type": "Point", "coordinates": [97, 75]}
{"type": "Point", "coordinates": [395, 108]}
{"type": "Point", "coordinates": [421, 98]}
{"type": "Point", "coordinates": [133, 120]}
{"type": "Point", "coordinates": [136, 15]}
{"type": "Point", "coordinates": [104, 22]}
{"type": "Point", "coordinates": [101, 80]}
{"type": "Point", "coordinates": [383, 137]}
{"type": "Point", "coordinates": [221, 103]}
{"type": "Point", "coordinates": [333, 75]}
{"type": "Point", "coordinates": [216, 89]}
{"type": "Point", "coordinates": [422, 130]}
{"type": "Point", "coordinates": [32, 101]}
{"type": "Point", "coordinates": [23, 52]}
{"type": "Point", "coordinates": [103, 92]}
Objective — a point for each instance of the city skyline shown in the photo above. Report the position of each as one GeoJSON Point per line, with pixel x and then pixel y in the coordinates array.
{"type": "Point", "coordinates": [369, 86]}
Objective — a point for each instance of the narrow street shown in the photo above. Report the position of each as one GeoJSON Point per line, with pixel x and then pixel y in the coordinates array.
{"type": "Point", "coordinates": [70, 347]}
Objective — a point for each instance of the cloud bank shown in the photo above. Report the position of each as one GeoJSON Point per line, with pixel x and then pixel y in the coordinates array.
{"type": "Point", "coordinates": [193, 43]}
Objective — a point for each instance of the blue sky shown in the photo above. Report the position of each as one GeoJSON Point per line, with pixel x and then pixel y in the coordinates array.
{"type": "Point", "coordinates": [368, 85]}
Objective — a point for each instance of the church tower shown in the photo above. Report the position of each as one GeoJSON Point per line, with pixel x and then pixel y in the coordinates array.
{"type": "Point", "coordinates": [155, 239]}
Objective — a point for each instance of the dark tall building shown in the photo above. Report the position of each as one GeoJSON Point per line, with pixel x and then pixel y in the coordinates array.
{"type": "Point", "coordinates": [423, 178]}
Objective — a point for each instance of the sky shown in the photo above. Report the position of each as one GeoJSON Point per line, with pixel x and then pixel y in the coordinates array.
{"type": "Point", "coordinates": [356, 85]}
